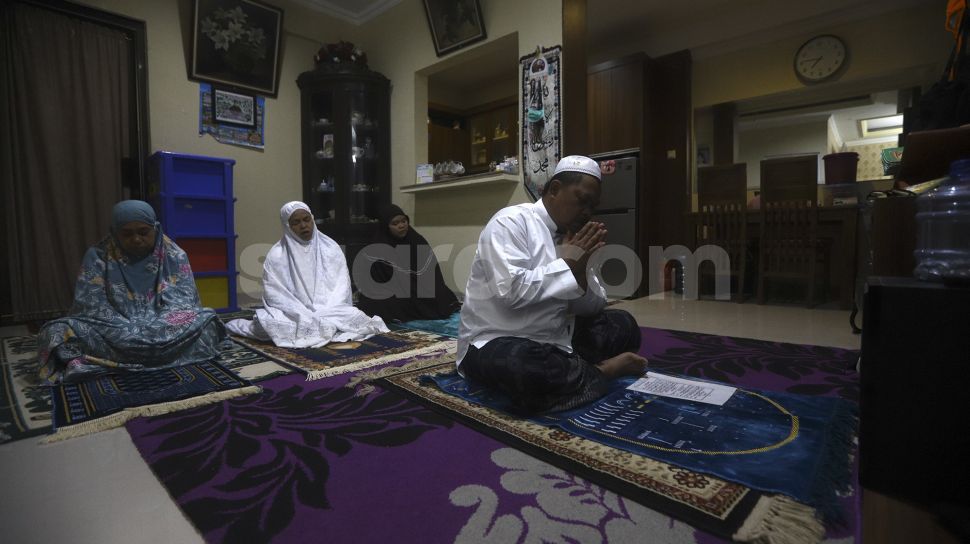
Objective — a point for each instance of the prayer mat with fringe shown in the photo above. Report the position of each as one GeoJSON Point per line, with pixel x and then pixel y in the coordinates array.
{"type": "Point", "coordinates": [338, 358]}
{"type": "Point", "coordinates": [794, 445]}
{"type": "Point", "coordinates": [109, 401]}
{"type": "Point", "coordinates": [25, 400]}
{"type": "Point", "coordinates": [727, 509]}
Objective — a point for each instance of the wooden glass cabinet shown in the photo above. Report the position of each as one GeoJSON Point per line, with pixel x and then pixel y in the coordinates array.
{"type": "Point", "coordinates": [494, 135]}
{"type": "Point", "coordinates": [345, 112]}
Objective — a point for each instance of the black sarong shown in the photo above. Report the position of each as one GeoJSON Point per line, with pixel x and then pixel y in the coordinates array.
{"type": "Point", "coordinates": [542, 377]}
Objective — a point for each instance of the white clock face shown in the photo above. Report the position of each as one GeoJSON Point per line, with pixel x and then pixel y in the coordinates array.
{"type": "Point", "coordinates": [819, 58]}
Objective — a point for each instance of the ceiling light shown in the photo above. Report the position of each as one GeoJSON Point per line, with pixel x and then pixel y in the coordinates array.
{"type": "Point", "coordinates": [887, 125]}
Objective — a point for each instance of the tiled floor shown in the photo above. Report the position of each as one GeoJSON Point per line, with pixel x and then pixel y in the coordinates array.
{"type": "Point", "coordinates": [13, 330]}
{"type": "Point", "coordinates": [796, 324]}
{"type": "Point", "coordinates": [97, 489]}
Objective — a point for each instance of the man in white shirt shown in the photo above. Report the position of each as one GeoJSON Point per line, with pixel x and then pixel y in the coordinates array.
{"type": "Point", "coordinates": [533, 324]}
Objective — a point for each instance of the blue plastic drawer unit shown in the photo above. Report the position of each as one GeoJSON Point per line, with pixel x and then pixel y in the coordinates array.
{"type": "Point", "coordinates": [201, 176]}
{"type": "Point", "coordinates": [198, 216]}
{"type": "Point", "coordinates": [192, 196]}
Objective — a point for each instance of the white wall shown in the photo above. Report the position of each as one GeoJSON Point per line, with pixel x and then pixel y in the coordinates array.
{"type": "Point", "coordinates": [463, 99]}
{"type": "Point", "coordinates": [263, 179]}
{"type": "Point", "coordinates": [398, 44]}
{"type": "Point", "coordinates": [755, 144]}
{"type": "Point", "coordinates": [897, 44]}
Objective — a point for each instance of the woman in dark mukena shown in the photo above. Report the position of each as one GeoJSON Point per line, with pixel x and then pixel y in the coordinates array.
{"type": "Point", "coordinates": [405, 281]}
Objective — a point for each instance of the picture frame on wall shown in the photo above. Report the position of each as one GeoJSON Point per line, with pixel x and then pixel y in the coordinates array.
{"type": "Point", "coordinates": [454, 23]}
{"type": "Point", "coordinates": [236, 43]}
{"type": "Point", "coordinates": [233, 108]}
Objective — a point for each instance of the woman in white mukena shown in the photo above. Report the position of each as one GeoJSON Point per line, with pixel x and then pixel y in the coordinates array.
{"type": "Point", "coordinates": [307, 301]}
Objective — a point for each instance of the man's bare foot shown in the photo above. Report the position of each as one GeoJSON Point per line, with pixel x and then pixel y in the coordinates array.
{"type": "Point", "coordinates": [624, 364]}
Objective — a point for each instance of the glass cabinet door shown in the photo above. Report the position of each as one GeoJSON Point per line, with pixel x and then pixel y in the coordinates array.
{"type": "Point", "coordinates": [503, 133]}
{"type": "Point", "coordinates": [324, 164]}
{"type": "Point", "coordinates": [494, 136]}
{"type": "Point", "coordinates": [365, 137]}
{"type": "Point", "coordinates": [345, 113]}
{"type": "Point", "coordinates": [479, 130]}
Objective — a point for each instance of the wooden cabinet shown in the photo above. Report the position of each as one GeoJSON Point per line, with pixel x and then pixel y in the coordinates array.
{"type": "Point", "coordinates": [494, 135]}
{"type": "Point", "coordinates": [914, 347]}
{"type": "Point", "coordinates": [192, 196]}
{"type": "Point", "coordinates": [345, 117]}
{"type": "Point", "coordinates": [447, 137]}
{"type": "Point", "coordinates": [475, 136]}
{"type": "Point", "coordinates": [636, 102]}
{"type": "Point", "coordinates": [615, 94]}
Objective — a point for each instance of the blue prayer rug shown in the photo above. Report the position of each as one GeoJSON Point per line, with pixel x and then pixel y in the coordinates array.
{"type": "Point", "coordinates": [446, 327]}
{"type": "Point", "coordinates": [775, 442]}
{"type": "Point", "coordinates": [110, 400]}
{"type": "Point", "coordinates": [25, 400]}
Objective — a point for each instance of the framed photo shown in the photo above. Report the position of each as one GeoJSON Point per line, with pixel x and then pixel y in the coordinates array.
{"type": "Point", "coordinates": [233, 108]}
{"type": "Point", "coordinates": [237, 43]}
{"type": "Point", "coordinates": [454, 23]}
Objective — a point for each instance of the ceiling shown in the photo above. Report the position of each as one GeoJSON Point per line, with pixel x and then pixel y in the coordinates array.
{"type": "Point", "coordinates": [714, 27]}
{"type": "Point", "coordinates": [657, 27]}
{"type": "Point", "coordinates": [353, 11]}
{"type": "Point", "coordinates": [846, 114]}
{"type": "Point", "coordinates": [706, 27]}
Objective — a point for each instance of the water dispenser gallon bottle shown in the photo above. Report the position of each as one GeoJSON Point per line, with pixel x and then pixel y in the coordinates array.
{"type": "Point", "coordinates": [943, 229]}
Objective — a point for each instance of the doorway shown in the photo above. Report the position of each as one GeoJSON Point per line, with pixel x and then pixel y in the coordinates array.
{"type": "Point", "coordinates": [73, 141]}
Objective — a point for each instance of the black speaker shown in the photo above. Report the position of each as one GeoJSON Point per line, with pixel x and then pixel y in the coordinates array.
{"type": "Point", "coordinates": [915, 402]}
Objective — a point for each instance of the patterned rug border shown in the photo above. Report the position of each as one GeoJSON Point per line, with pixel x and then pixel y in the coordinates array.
{"type": "Point", "coordinates": [18, 415]}
{"type": "Point", "coordinates": [435, 343]}
{"type": "Point", "coordinates": [746, 513]}
{"type": "Point", "coordinates": [26, 407]}
{"type": "Point", "coordinates": [118, 419]}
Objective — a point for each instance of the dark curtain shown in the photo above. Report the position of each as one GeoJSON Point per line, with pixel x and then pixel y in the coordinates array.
{"type": "Point", "coordinates": [64, 131]}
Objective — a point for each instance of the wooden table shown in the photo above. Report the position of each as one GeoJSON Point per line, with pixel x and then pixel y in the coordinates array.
{"type": "Point", "coordinates": [837, 224]}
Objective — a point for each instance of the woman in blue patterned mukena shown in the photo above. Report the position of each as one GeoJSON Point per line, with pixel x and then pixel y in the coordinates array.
{"type": "Point", "coordinates": [136, 306]}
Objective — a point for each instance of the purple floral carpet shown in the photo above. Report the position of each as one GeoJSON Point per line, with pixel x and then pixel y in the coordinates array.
{"type": "Point", "coordinates": [775, 366]}
{"type": "Point", "coordinates": [310, 461]}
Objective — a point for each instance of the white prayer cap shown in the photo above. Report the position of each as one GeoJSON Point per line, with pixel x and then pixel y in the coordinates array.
{"type": "Point", "coordinates": [579, 163]}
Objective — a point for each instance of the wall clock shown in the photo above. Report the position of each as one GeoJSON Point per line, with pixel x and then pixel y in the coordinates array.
{"type": "Point", "coordinates": [820, 58]}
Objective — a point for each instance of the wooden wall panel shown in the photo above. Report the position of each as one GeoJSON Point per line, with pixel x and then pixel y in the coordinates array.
{"type": "Point", "coordinates": [574, 119]}
{"type": "Point", "coordinates": [643, 103]}
{"type": "Point", "coordinates": [665, 192]}
{"type": "Point", "coordinates": [615, 92]}
{"type": "Point", "coordinates": [724, 116]}
{"type": "Point", "coordinates": [447, 144]}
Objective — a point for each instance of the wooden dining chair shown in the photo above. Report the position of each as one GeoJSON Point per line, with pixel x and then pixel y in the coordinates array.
{"type": "Point", "coordinates": [722, 221]}
{"type": "Point", "coordinates": [789, 246]}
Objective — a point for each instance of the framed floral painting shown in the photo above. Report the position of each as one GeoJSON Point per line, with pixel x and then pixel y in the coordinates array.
{"type": "Point", "coordinates": [237, 43]}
